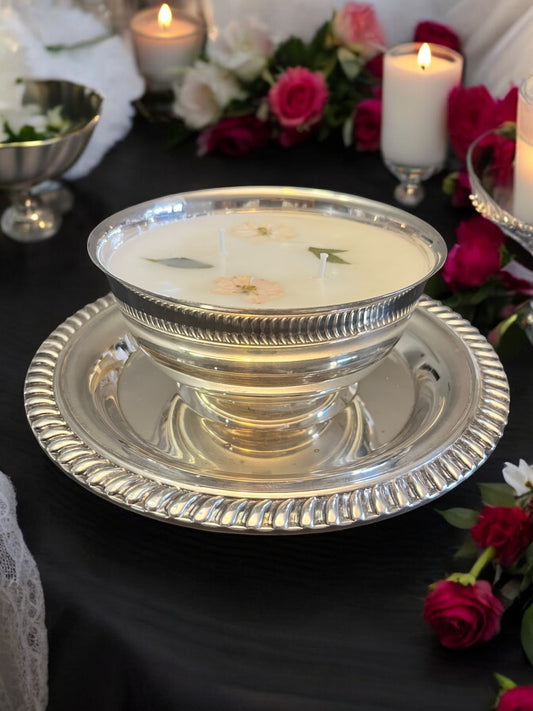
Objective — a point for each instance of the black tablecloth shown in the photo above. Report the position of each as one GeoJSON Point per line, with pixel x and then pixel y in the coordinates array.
{"type": "Point", "coordinates": [144, 615]}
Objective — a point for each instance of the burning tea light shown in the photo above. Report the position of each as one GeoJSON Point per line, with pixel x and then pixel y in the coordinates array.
{"type": "Point", "coordinates": [416, 83]}
{"type": "Point", "coordinates": [165, 42]}
{"type": "Point", "coordinates": [270, 259]}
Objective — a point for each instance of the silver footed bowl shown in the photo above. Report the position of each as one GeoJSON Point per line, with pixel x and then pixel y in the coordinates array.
{"type": "Point", "coordinates": [25, 164]}
{"type": "Point", "coordinates": [264, 379]}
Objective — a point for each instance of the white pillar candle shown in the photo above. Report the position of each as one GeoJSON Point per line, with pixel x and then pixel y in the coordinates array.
{"type": "Point", "coordinates": [415, 96]}
{"type": "Point", "coordinates": [523, 171]}
{"type": "Point", "coordinates": [273, 260]}
{"type": "Point", "coordinates": [165, 42]}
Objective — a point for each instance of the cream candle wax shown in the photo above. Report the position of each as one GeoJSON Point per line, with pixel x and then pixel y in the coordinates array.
{"type": "Point", "coordinates": [415, 94]}
{"type": "Point", "coordinates": [270, 259]}
{"type": "Point", "coordinates": [165, 41]}
{"type": "Point", "coordinates": [523, 170]}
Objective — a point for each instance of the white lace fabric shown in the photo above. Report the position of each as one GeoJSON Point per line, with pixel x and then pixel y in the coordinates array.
{"type": "Point", "coordinates": [23, 643]}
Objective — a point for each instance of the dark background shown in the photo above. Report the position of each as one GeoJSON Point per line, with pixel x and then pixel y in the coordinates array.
{"type": "Point", "coordinates": [144, 615]}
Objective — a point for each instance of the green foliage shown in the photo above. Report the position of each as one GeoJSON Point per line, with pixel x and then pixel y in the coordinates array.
{"type": "Point", "coordinates": [497, 494]}
{"type": "Point", "coordinates": [460, 517]}
{"type": "Point", "coordinates": [526, 633]}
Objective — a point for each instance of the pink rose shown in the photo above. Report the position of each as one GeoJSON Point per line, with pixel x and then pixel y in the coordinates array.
{"type": "Point", "coordinates": [356, 27]}
{"type": "Point", "coordinates": [463, 615]}
{"type": "Point", "coordinates": [520, 698]}
{"type": "Point", "coordinates": [234, 136]}
{"type": "Point", "coordinates": [470, 113]}
{"type": "Point", "coordinates": [298, 98]}
{"type": "Point", "coordinates": [367, 125]}
{"type": "Point", "coordinates": [476, 256]}
{"type": "Point", "coordinates": [437, 33]}
{"type": "Point", "coordinates": [508, 529]}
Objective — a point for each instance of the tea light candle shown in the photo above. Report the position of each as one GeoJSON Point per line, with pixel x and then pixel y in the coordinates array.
{"type": "Point", "coordinates": [165, 42]}
{"type": "Point", "coordinates": [416, 82]}
{"type": "Point", "coordinates": [272, 259]}
{"type": "Point", "coordinates": [523, 170]}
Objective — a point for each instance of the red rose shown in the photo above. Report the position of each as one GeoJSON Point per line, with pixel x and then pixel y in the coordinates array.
{"type": "Point", "coordinates": [375, 66]}
{"type": "Point", "coordinates": [234, 136]}
{"type": "Point", "coordinates": [506, 109]}
{"type": "Point", "coordinates": [471, 112]}
{"type": "Point", "coordinates": [298, 98]}
{"type": "Point", "coordinates": [520, 698]}
{"type": "Point", "coordinates": [463, 615]}
{"type": "Point", "coordinates": [367, 125]}
{"type": "Point", "coordinates": [289, 137]}
{"type": "Point", "coordinates": [462, 190]}
{"type": "Point", "coordinates": [500, 167]}
{"type": "Point", "coordinates": [508, 529]}
{"type": "Point", "coordinates": [476, 256]}
{"type": "Point", "coordinates": [439, 34]}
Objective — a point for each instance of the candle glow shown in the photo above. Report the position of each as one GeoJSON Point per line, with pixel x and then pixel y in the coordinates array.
{"type": "Point", "coordinates": [164, 16]}
{"type": "Point", "coordinates": [424, 56]}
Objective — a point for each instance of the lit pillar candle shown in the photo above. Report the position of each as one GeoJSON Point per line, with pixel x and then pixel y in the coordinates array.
{"type": "Point", "coordinates": [165, 42]}
{"type": "Point", "coordinates": [417, 80]}
{"type": "Point", "coordinates": [523, 179]}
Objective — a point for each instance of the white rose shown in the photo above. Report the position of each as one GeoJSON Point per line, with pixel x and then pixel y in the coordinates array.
{"type": "Point", "coordinates": [205, 91]}
{"type": "Point", "coordinates": [520, 477]}
{"type": "Point", "coordinates": [243, 48]}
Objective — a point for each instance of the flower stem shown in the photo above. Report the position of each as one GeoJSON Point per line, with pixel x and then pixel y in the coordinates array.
{"type": "Point", "coordinates": [79, 45]}
{"type": "Point", "coordinates": [487, 555]}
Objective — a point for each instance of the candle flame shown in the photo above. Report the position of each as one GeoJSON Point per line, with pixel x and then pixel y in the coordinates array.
{"type": "Point", "coordinates": [424, 56]}
{"type": "Point", "coordinates": [164, 16]}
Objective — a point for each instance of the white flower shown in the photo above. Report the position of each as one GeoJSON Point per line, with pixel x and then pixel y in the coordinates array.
{"type": "Point", "coordinates": [13, 66]}
{"type": "Point", "coordinates": [206, 90]}
{"type": "Point", "coordinates": [520, 477]}
{"type": "Point", "coordinates": [243, 48]}
{"type": "Point", "coordinates": [28, 115]}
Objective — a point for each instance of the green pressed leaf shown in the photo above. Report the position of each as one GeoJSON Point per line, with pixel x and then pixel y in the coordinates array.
{"type": "Point", "coordinates": [332, 254]}
{"type": "Point", "coordinates": [504, 682]}
{"type": "Point", "coordinates": [459, 517]}
{"type": "Point", "coordinates": [526, 633]}
{"type": "Point", "coordinates": [181, 263]}
{"type": "Point", "coordinates": [499, 494]}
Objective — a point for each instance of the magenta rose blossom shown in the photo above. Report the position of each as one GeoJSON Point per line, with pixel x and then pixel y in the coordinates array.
{"type": "Point", "coordinates": [506, 109]}
{"type": "Point", "coordinates": [463, 615]}
{"type": "Point", "coordinates": [476, 257]}
{"type": "Point", "coordinates": [500, 168]}
{"type": "Point", "coordinates": [234, 136]}
{"type": "Point", "coordinates": [508, 529]}
{"type": "Point", "coordinates": [462, 190]}
{"type": "Point", "coordinates": [367, 125]}
{"type": "Point", "coordinates": [471, 112]}
{"type": "Point", "coordinates": [356, 26]}
{"type": "Point", "coordinates": [298, 98]}
{"type": "Point", "coordinates": [289, 137]}
{"type": "Point", "coordinates": [520, 698]}
{"type": "Point", "coordinates": [437, 33]}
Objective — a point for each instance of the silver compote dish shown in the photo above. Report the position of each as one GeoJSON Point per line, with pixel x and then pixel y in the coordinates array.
{"type": "Point", "coordinates": [262, 419]}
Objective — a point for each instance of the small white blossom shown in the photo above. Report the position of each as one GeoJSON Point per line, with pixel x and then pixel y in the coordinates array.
{"type": "Point", "coordinates": [243, 48]}
{"type": "Point", "coordinates": [520, 477]}
{"type": "Point", "coordinates": [28, 115]}
{"type": "Point", "coordinates": [206, 90]}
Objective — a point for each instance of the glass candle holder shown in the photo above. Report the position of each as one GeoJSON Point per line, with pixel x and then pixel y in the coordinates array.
{"type": "Point", "coordinates": [417, 79]}
{"type": "Point", "coordinates": [166, 41]}
{"type": "Point", "coordinates": [522, 207]}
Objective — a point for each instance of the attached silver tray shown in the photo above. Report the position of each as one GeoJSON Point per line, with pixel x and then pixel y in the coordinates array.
{"type": "Point", "coordinates": [433, 411]}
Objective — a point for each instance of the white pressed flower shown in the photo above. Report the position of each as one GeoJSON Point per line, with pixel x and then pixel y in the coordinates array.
{"type": "Point", "coordinates": [243, 48]}
{"type": "Point", "coordinates": [263, 232]}
{"type": "Point", "coordinates": [519, 478]}
{"type": "Point", "coordinates": [206, 90]}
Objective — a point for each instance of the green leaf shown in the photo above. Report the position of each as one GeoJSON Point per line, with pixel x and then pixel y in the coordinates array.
{"type": "Point", "coordinates": [448, 183]}
{"type": "Point", "coordinates": [499, 494]}
{"type": "Point", "coordinates": [460, 518]}
{"type": "Point", "coordinates": [504, 682]}
{"type": "Point", "coordinates": [332, 254]}
{"type": "Point", "coordinates": [181, 263]}
{"type": "Point", "coordinates": [351, 63]}
{"type": "Point", "coordinates": [526, 633]}
{"type": "Point", "coordinates": [468, 549]}
{"type": "Point", "coordinates": [291, 53]}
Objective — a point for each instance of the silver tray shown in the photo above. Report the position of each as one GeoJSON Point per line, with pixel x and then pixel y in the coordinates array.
{"type": "Point", "coordinates": [433, 411]}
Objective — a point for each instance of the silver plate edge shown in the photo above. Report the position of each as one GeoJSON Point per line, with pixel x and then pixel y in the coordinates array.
{"type": "Point", "coordinates": [187, 507]}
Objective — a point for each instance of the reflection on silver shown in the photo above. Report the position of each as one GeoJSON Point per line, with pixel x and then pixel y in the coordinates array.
{"type": "Point", "coordinates": [424, 420]}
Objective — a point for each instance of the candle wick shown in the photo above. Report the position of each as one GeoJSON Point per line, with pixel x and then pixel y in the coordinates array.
{"type": "Point", "coordinates": [322, 265]}
{"type": "Point", "coordinates": [222, 242]}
